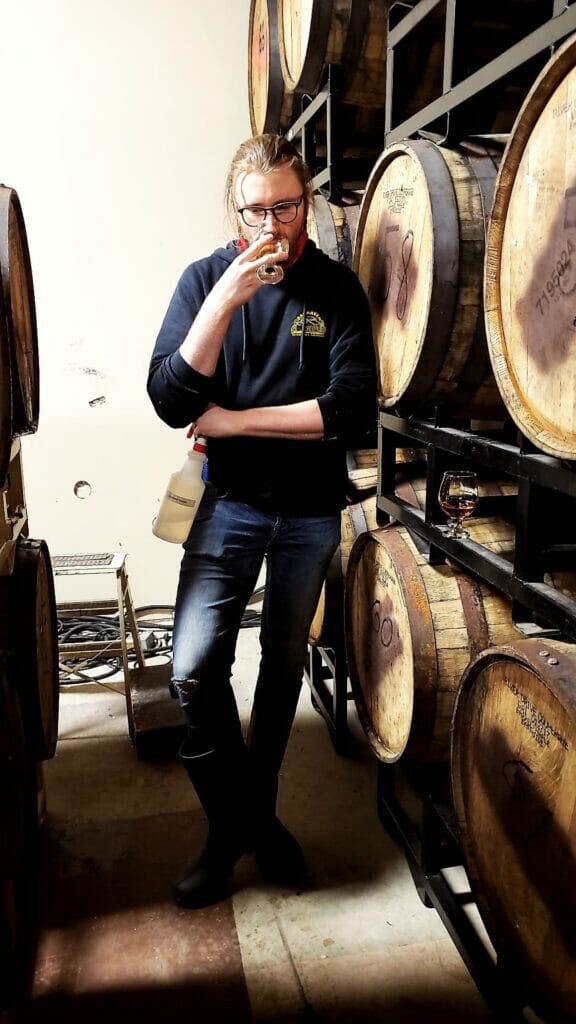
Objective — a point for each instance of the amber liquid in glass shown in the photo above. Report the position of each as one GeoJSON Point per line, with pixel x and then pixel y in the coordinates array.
{"type": "Point", "coordinates": [273, 272]}
{"type": "Point", "coordinates": [458, 498]}
{"type": "Point", "coordinates": [458, 507]}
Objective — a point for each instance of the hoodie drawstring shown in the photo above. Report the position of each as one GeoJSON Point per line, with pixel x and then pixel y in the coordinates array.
{"type": "Point", "coordinates": [244, 332]}
{"type": "Point", "coordinates": [302, 333]}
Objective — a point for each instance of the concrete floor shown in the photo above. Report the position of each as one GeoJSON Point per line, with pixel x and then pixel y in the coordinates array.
{"type": "Point", "coordinates": [354, 946]}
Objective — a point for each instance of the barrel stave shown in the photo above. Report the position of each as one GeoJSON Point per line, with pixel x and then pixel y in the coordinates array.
{"type": "Point", "coordinates": [327, 628]}
{"type": "Point", "coordinates": [513, 766]}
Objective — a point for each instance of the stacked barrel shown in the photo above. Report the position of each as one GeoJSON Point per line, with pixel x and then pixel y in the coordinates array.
{"type": "Point", "coordinates": [467, 253]}
{"type": "Point", "coordinates": [28, 626]}
{"type": "Point", "coordinates": [291, 43]}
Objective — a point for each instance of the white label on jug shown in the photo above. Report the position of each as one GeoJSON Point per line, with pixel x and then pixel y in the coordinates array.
{"type": "Point", "coordinates": [189, 502]}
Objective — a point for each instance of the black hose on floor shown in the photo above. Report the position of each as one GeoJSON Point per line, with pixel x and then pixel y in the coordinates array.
{"type": "Point", "coordinates": [155, 639]}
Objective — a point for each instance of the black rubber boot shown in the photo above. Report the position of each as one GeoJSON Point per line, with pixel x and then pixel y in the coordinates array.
{"type": "Point", "coordinates": [221, 788]}
{"type": "Point", "coordinates": [278, 855]}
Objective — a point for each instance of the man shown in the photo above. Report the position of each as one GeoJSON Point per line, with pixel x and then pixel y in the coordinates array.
{"type": "Point", "coordinates": [276, 376]}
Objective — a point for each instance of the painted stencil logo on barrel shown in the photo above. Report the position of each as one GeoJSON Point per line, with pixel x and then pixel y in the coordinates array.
{"type": "Point", "coordinates": [533, 720]}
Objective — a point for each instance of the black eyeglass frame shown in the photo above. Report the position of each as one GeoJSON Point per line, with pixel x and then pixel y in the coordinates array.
{"type": "Point", "coordinates": [297, 203]}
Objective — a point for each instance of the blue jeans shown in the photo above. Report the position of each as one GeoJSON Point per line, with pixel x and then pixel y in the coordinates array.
{"type": "Point", "coordinates": [223, 555]}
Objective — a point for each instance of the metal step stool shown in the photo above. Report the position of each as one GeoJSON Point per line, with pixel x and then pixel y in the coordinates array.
{"type": "Point", "coordinates": [155, 723]}
{"type": "Point", "coordinates": [90, 565]}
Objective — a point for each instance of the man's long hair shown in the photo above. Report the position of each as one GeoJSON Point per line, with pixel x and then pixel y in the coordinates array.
{"type": "Point", "coordinates": [264, 153]}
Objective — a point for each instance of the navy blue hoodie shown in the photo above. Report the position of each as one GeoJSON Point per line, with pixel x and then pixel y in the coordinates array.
{"type": "Point", "coordinates": [308, 337]}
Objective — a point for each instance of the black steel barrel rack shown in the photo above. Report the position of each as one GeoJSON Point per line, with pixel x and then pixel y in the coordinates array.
{"type": "Point", "coordinates": [544, 514]}
{"type": "Point", "coordinates": [457, 68]}
{"type": "Point", "coordinates": [474, 84]}
{"type": "Point", "coordinates": [544, 509]}
{"type": "Point", "coordinates": [324, 133]}
{"type": "Point", "coordinates": [459, 93]}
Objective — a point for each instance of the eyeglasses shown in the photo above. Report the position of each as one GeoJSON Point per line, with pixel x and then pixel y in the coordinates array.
{"type": "Point", "coordinates": [284, 213]}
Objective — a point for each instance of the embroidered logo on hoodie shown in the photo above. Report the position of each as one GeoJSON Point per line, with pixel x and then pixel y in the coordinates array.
{"type": "Point", "coordinates": [315, 326]}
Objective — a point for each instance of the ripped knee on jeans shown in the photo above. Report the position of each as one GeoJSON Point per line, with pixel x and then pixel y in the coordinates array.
{"type": "Point", "coordinates": [191, 696]}
{"type": "Point", "coordinates": [183, 689]}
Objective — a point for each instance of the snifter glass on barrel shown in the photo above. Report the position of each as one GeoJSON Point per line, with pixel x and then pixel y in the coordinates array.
{"type": "Point", "coordinates": [458, 498]}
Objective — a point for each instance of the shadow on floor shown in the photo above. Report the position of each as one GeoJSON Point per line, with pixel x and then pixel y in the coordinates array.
{"type": "Point", "coordinates": [110, 940]}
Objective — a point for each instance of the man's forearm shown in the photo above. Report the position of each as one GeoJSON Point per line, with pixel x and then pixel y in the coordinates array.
{"type": "Point", "coordinates": [203, 343]}
{"type": "Point", "coordinates": [238, 284]}
{"type": "Point", "coordinates": [301, 421]}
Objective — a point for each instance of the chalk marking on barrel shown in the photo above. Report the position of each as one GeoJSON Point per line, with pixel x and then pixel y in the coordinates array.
{"type": "Point", "coordinates": [402, 297]}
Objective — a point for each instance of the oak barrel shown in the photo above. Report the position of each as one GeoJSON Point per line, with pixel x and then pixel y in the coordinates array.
{"type": "Point", "coordinates": [5, 396]}
{"type": "Point", "coordinates": [530, 265]}
{"type": "Point", "coordinates": [333, 227]}
{"type": "Point", "coordinates": [271, 103]}
{"type": "Point", "coordinates": [327, 629]}
{"type": "Point", "coordinates": [352, 33]}
{"type": "Point", "coordinates": [513, 768]}
{"type": "Point", "coordinates": [419, 254]}
{"type": "Point", "coordinates": [29, 631]}
{"type": "Point", "coordinates": [411, 629]}
{"type": "Point", "coordinates": [362, 476]}
{"type": "Point", "coordinates": [18, 835]}
{"type": "Point", "coordinates": [367, 458]}
{"type": "Point", "coordinates": [363, 470]}
{"type": "Point", "coordinates": [20, 310]}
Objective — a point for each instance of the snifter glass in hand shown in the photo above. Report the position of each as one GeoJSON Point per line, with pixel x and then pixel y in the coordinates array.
{"type": "Point", "coordinates": [271, 273]}
{"type": "Point", "coordinates": [458, 497]}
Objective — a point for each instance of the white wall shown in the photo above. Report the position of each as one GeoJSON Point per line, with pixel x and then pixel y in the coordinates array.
{"type": "Point", "coordinates": [119, 119]}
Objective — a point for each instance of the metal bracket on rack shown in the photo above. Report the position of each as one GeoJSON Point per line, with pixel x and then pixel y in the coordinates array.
{"type": "Point", "coordinates": [325, 107]}
{"type": "Point", "coordinates": [454, 95]}
{"type": "Point", "coordinates": [459, 91]}
{"type": "Point", "coordinates": [323, 665]}
{"type": "Point", "coordinates": [431, 848]}
{"type": "Point", "coordinates": [340, 155]}
{"type": "Point", "coordinates": [537, 473]}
